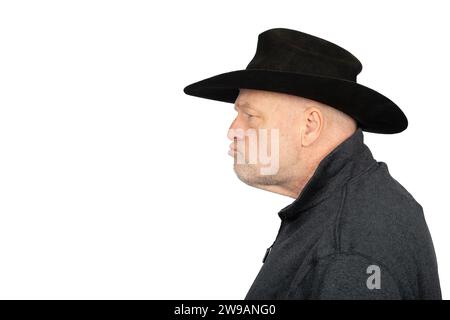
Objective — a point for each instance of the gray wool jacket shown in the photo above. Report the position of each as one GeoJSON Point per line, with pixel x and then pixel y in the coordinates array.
{"type": "Point", "coordinates": [354, 232]}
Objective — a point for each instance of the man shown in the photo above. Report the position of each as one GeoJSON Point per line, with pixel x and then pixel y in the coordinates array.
{"type": "Point", "coordinates": [352, 232]}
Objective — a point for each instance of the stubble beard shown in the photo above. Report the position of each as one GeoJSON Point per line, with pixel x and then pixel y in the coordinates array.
{"type": "Point", "coordinates": [250, 175]}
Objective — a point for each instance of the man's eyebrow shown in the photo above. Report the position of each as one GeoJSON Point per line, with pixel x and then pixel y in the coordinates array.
{"type": "Point", "coordinates": [242, 106]}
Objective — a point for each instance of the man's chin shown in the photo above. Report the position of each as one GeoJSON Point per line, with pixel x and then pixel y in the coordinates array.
{"type": "Point", "coordinates": [249, 174]}
{"type": "Point", "coordinates": [245, 173]}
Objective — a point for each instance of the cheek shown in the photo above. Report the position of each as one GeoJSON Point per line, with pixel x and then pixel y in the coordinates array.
{"type": "Point", "coordinates": [289, 147]}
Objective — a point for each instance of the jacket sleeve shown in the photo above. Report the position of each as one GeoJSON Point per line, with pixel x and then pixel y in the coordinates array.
{"type": "Point", "coordinates": [347, 277]}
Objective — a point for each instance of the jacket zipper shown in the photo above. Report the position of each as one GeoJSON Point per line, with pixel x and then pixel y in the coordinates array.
{"type": "Point", "coordinates": [270, 248]}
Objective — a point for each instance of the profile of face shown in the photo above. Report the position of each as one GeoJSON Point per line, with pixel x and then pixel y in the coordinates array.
{"type": "Point", "coordinates": [279, 139]}
{"type": "Point", "coordinates": [265, 137]}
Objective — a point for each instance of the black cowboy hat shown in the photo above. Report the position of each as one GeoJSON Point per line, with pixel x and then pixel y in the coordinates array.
{"type": "Point", "coordinates": [293, 62]}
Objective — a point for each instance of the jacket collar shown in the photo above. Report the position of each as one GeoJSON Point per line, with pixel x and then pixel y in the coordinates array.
{"type": "Point", "coordinates": [348, 160]}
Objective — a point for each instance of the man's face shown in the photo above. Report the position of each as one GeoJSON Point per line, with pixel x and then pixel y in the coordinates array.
{"type": "Point", "coordinates": [265, 137]}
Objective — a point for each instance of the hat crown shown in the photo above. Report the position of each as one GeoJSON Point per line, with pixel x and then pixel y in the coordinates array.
{"type": "Point", "coordinates": [287, 50]}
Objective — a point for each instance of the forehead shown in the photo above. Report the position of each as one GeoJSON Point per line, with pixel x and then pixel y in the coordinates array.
{"type": "Point", "coordinates": [249, 98]}
{"type": "Point", "coordinates": [261, 106]}
{"type": "Point", "coordinates": [260, 100]}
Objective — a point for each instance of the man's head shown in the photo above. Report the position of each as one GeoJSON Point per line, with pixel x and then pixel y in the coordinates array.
{"type": "Point", "coordinates": [298, 133]}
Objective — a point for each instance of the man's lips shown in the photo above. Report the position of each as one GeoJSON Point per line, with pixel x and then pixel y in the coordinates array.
{"type": "Point", "coordinates": [232, 150]}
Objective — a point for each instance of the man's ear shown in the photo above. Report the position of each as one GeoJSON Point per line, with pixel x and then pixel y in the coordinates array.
{"type": "Point", "coordinates": [312, 125]}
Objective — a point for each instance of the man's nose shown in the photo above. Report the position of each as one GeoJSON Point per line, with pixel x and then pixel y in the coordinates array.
{"type": "Point", "coordinates": [235, 130]}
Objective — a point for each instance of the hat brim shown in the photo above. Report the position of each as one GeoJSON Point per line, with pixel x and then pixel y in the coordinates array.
{"type": "Point", "coordinates": [372, 111]}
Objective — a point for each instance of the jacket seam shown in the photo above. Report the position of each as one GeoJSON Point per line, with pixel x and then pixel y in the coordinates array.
{"type": "Point", "coordinates": [337, 228]}
{"type": "Point", "coordinates": [338, 222]}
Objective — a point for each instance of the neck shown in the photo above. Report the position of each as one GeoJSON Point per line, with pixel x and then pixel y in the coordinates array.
{"type": "Point", "coordinates": [295, 184]}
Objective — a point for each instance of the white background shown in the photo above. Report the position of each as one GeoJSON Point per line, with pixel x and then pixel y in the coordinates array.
{"type": "Point", "coordinates": [115, 184]}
